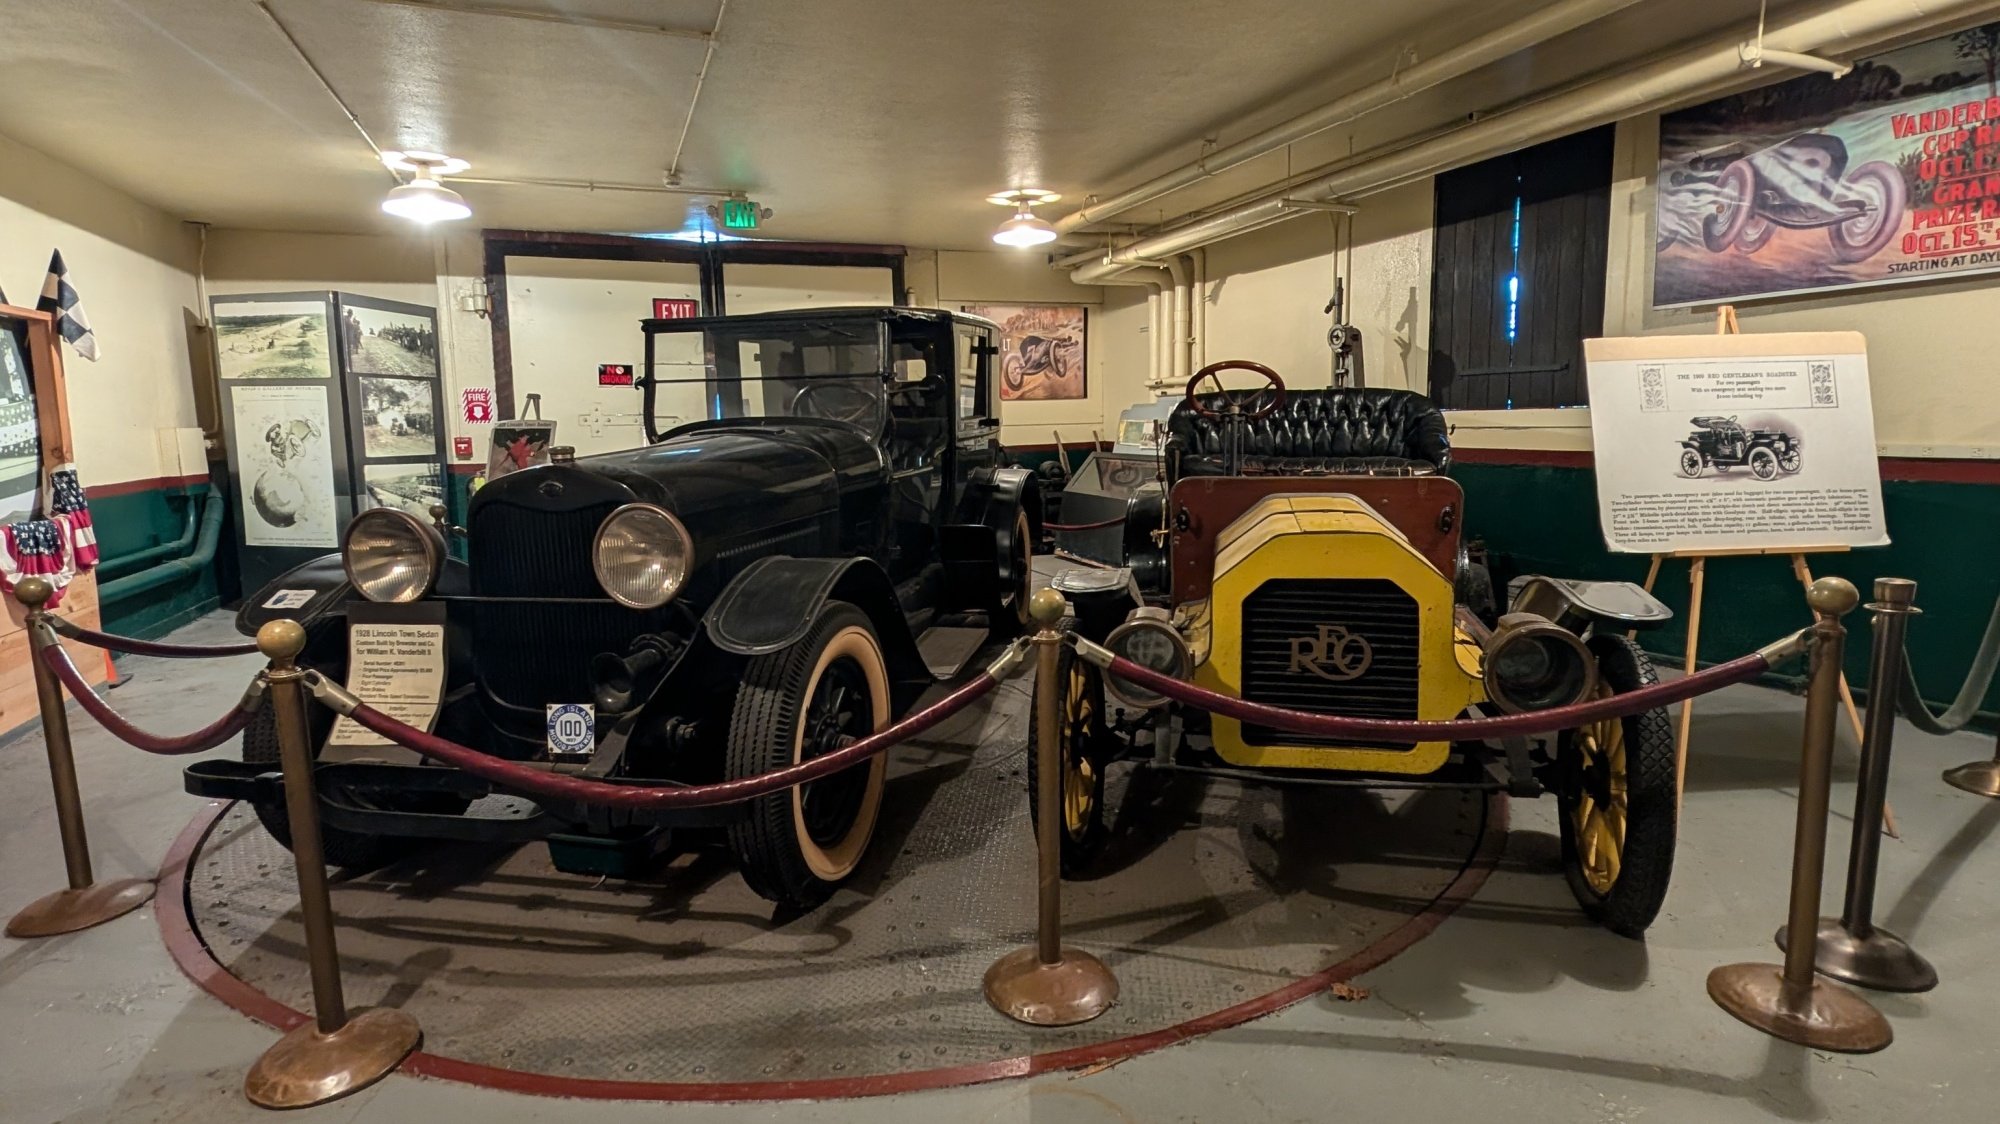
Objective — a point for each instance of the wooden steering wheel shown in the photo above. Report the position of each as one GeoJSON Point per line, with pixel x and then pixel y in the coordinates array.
{"type": "Point", "coordinates": [1238, 402]}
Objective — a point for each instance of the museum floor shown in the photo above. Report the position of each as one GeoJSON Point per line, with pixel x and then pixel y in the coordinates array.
{"type": "Point", "coordinates": [1513, 1009]}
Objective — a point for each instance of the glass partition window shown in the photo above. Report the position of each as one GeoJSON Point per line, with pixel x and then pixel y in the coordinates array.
{"type": "Point", "coordinates": [829, 372]}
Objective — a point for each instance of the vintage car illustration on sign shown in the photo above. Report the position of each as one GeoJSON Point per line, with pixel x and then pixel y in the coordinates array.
{"type": "Point", "coordinates": [1723, 443]}
{"type": "Point", "coordinates": [744, 592]}
{"type": "Point", "coordinates": [1309, 557]}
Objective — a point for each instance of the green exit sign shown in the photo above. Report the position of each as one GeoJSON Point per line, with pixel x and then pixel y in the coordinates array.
{"type": "Point", "coordinates": [740, 214]}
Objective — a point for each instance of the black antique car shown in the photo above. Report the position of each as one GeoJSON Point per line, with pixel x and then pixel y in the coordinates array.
{"type": "Point", "coordinates": [745, 591]}
{"type": "Point", "coordinates": [1724, 443]}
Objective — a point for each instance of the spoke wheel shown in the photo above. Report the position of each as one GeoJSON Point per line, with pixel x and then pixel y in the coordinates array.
{"type": "Point", "coordinates": [1082, 758]}
{"type": "Point", "coordinates": [795, 847]}
{"type": "Point", "coordinates": [1618, 814]}
{"type": "Point", "coordinates": [1690, 463]}
{"type": "Point", "coordinates": [1763, 464]}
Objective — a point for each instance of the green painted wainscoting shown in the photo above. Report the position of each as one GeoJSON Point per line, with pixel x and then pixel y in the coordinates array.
{"type": "Point", "coordinates": [1945, 536]}
{"type": "Point", "coordinates": [130, 519]}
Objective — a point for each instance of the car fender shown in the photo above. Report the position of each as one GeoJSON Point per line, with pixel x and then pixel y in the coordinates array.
{"type": "Point", "coordinates": [771, 606]}
{"type": "Point", "coordinates": [318, 591]}
{"type": "Point", "coordinates": [978, 545]}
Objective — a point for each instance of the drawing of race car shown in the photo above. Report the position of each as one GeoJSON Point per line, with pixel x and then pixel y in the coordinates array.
{"type": "Point", "coordinates": [1800, 183]}
{"type": "Point", "coordinates": [1723, 444]}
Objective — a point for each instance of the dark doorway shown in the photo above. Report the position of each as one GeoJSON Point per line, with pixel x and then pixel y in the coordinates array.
{"type": "Point", "coordinates": [1517, 282]}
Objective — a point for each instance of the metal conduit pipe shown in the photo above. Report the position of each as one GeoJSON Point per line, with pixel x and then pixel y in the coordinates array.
{"type": "Point", "coordinates": [1183, 316]}
{"type": "Point", "coordinates": [1537, 27]}
{"type": "Point", "coordinates": [165, 572]}
{"type": "Point", "coordinates": [1846, 25]}
{"type": "Point", "coordinates": [189, 521]}
{"type": "Point", "coordinates": [1158, 315]}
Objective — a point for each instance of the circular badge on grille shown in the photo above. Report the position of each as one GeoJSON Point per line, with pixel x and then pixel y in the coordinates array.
{"type": "Point", "coordinates": [572, 728]}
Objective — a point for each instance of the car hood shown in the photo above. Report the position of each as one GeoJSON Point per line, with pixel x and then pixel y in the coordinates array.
{"type": "Point", "coordinates": [733, 473]}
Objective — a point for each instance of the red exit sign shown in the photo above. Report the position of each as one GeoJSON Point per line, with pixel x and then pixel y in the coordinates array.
{"type": "Point", "coordinates": [614, 374]}
{"type": "Point", "coordinates": [675, 308]}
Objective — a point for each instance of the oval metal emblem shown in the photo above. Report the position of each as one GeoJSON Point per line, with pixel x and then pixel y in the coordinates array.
{"type": "Point", "coordinates": [551, 488]}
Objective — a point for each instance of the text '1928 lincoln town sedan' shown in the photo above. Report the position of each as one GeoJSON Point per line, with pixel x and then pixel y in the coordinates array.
{"type": "Point", "coordinates": [747, 591]}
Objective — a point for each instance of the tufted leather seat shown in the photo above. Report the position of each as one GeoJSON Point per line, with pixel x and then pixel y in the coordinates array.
{"type": "Point", "coordinates": [1346, 431]}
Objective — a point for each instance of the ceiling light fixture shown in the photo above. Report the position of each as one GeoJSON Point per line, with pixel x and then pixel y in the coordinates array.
{"type": "Point", "coordinates": [424, 199]}
{"type": "Point", "coordinates": [1024, 229]}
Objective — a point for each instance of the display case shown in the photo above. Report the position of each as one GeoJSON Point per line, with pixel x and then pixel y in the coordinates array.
{"type": "Point", "coordinates": [330, 405]}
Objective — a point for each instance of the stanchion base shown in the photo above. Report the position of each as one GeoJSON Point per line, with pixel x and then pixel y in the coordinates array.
{"type": "Point", "coordinates": [307, 1067]}
{"type": "Point", "coordinates": [67, 911]}
{"type": "Point", "coordinates": [1824, 1016]}
{"type": "Point", "coordinates": [1881, 960]}
{"type": "Point", "coordinates": [1075, 989]}
{"type": "Point", "coordinates": [1981, 778]}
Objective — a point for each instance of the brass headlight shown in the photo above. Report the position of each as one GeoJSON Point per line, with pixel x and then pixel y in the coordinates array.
{"type": "Point", "coordinates": [1148, 638]}
{"type": "Point", "coordinates": [641, 555]}
{"type": "Point", "coordinates": [1531, 663]}
{"type": "Point", "coordinates": [391, 555]}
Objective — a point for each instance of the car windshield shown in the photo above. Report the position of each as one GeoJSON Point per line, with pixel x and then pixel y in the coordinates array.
{"type": "Point", "coordinates": [827, 370]}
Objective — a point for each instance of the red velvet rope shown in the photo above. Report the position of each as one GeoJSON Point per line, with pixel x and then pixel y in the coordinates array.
{"type": "Point", "coordinates": [134, 646]}
{"type": "Point", "coordinates": [1461, 729]}
{"type": "Point", "coordinates": [208, 737]}
{"type": "Point", "coordinates": [538, 782]}
{"type": "Point", "coordinates": [1099, 525]}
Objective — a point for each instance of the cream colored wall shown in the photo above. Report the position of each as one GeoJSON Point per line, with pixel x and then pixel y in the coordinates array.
{"type": "Point", "coordinates": [266, 261]}
{"type": "Point", "coordinates": [1931, 350]}
{"type": "Point", "coordinates": [1263, 295]}
{"type": "Point", "coordinates": [134, 268]}
{"type": "Point", "coordinates": [566, 316]}
{"type": "Point", "coordinates": [954, 278]}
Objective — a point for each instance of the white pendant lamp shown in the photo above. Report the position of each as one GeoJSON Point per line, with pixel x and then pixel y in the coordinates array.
{"type": "Point", "coordinates": [424, 199]}
{"type": "Point", "coordinates": [1024, 229]}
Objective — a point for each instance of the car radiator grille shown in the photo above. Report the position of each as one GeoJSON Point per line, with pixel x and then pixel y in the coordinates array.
{"type": "Point", "coordinates": [1282, 611]}
{"type": "Point", "coordinates": [532, 654]}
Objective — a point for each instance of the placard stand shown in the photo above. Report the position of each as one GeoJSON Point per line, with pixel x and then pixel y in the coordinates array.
{"type": "Point", "coordinates": [1725, 324]}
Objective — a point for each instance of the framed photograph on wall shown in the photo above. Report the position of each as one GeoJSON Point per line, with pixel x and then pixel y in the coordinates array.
{"type": "Point", "coordinates": [20, 433]}
{"type": "Point", "coordinates": [1043, 350]}
{"type": "Point", "coordinates": [398, 417]}
{"type": "Point", "coordinates": [276, 336]}
{"type": "Point", "coordinates": [386, 341]}
{"type": "Point", "coordinates": [414, 488]}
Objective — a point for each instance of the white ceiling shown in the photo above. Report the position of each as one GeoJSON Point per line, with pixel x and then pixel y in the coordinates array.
{"type": "Point", "coordinates": [857, 120]}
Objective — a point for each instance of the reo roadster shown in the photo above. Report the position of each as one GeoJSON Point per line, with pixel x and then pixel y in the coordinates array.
{"type": "Point", "coordinates": [1309, 557]}
{"type": "Point", "coordinates": [1723, 443]}
{"type": "Point", "coordinates": [745, 592]}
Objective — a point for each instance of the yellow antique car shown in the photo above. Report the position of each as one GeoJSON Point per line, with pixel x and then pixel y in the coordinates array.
{"type": "Point", "coordinates": [1309, 557]}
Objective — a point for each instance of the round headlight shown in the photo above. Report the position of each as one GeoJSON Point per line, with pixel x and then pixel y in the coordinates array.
{"type": "Point", "coordinates": [1534, 664]}
{"type": "Point", "coordinates": [1149, 639]}
{"type": "Point", "coordinates": [391, 555]}
{"type": "Point", "coordinates": [641, 556]}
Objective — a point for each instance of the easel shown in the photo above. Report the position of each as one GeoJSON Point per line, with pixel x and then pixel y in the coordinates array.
{"type": "Point", "coordinates": [1725, 324]}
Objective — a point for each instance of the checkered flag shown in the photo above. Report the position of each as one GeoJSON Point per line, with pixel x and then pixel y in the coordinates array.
{"type": "Point", "coordinates": [59, 297]}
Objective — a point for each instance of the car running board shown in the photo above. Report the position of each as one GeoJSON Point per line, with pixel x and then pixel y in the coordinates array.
{"type": "Point", "coordinates": [946, 650]}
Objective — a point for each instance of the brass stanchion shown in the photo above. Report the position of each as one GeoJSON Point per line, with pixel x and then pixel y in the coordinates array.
{"type": "Point", "coordinates": [1046, 984]}
{"type": "Point", "coordinates": [86, 902]}
{"type": "Point", "coordinates": [1851, 947]}
{"type": "Point", "coordinates": [1981, 778]}
{"type": "Point", "coordinates": [335, 1054]}
{"type": "Point", "coordinates": [1790, 1002]}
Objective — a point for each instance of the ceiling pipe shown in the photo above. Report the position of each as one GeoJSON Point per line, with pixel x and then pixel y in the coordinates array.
{"type": "Point", "coordinates": [542, 16]}
{"type": "Point", "coordinates": [1631, 91]}
{"type": "Point", "coordinates": [1537, 27]}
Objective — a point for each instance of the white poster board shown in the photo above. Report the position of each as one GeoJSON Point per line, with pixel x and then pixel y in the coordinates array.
{"type": "Point", "coordinates": [286, 469]}
{"type": "Point", "coordinates": [1713, 444]}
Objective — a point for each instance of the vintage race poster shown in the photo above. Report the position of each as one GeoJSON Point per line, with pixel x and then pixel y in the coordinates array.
{"type": "Point", "coordinates": [1714, 443]}
{"type": "Point", "coordinates": [1042, 348]}
{"type": "Point", "coordinates": [1887, 175]}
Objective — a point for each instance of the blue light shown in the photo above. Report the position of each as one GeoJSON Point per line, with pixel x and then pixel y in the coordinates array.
{"type": "Point", "coordinates": [1514, 280]}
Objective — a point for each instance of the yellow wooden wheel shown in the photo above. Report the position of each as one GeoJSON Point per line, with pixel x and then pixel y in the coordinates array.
{"type": "Point", "coordinates": [1601, 811]}
{"type": "Point", "coordinates": [1081, 786]}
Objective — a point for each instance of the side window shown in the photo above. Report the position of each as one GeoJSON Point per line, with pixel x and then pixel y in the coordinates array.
{"type": "Point", "coordinates": [975, 352]}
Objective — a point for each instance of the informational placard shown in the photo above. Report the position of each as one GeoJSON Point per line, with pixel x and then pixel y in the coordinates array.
{"type": "Point", "coordinates": [395, 663]}
{"type": "Point", "coordinates": [1708, 444]}
{"type": "Point", "coordinates": [285, 465]}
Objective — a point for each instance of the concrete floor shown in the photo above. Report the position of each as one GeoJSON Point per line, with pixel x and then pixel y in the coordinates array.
{"type": "Point", "coordinates": [1514, 1010]}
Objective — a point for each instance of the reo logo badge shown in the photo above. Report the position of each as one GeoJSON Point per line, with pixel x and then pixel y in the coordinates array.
{"type": "Point", "coordinates": [572, 729]}
{"type": "Point", "coordinates": [1333, 654]}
